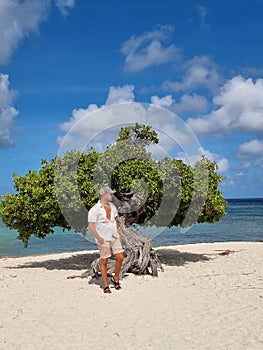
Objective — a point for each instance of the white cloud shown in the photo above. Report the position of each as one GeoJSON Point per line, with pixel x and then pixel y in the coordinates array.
{"type": "Point", "coordinates": [120, 94]}
{"type": "Point", "coordinates": [18, 19]}
{"type": "Point", "coordinates": [222, 162]}
{"type": "Point", "coordinates": [65, 5]}
{"type": "Point", "coordinates": [77, 115]}
{"type": "Point", "coordinates": [223, 165]}
{"type": "Point", "coordinates": [98, 126]}
{"type": "Point", "coordinates": [116, 95]}
{"type": "Point", "coordinates": [82, 128]}
{"type": "Point", "coordinates": [7, 112]}
{"type": "Point", "coordinates": [149, 49]}
{"type": "Point", "coordinates": [166, 101]}
{"type": "Point", "coordinates": [200, 72]}
{"type": "Point", "coordinates": [6, 95]}
{"type": "Point", "coordinates": [240, 109]}
{"type": "Point", "coordinates": [253, 148]}
{"type": "Point", "coordinates": [191, 103]}
{"type": "Point", "coordinates": [188, 103]}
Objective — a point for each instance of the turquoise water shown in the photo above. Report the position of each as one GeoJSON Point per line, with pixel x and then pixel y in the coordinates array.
{"type": "Point", "coordinates": [244, 222]}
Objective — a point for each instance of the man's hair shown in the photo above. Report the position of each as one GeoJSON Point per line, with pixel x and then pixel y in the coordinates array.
{"type": "Point", "coordinates": [105, 190]}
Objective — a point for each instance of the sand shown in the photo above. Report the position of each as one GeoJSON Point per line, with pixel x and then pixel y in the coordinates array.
{"type": "Point", "coordinates": [202, 300]}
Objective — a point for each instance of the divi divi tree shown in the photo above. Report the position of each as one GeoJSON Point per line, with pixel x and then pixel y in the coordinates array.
{"type": "Point", "coordinates": [163, 192]}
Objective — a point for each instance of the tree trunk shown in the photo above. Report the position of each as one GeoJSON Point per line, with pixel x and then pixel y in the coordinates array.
{"type": "Point", "coordinates": [140, 258]}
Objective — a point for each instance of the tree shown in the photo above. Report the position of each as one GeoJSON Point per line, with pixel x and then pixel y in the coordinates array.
{"type": "Point", "coordinates": [164, 192]}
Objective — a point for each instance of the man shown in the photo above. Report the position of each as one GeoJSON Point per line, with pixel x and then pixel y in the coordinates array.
{"type": "Point", "coordinates": [104, 227]}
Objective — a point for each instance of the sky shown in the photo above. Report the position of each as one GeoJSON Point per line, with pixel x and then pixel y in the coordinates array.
{"type": "Point", "coordinates": [67, 62]}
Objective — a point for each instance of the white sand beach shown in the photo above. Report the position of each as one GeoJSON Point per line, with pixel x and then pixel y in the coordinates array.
{"type": "Point", "coordinates": [202, 300]}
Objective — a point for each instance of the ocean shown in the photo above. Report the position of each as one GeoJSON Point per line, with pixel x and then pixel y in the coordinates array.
{"type": "Point", "coordinates": [243, 222]}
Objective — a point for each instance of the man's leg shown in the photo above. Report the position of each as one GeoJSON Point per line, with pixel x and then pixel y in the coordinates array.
{"type": "Point", "coordinates": [118, 264]}
{"type": "Point", "coordinates": [103, 270]}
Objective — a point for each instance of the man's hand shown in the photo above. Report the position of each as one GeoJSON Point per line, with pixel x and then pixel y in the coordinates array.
{"type": "Point", "coordinates": [95, 234]}
{"type": "Point", "coordinates": [100, 240]}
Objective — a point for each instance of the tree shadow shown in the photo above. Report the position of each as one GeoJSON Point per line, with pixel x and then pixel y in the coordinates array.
{"type": "Point", "coordinates": [75, 262]}
{"type": "Point", "coordinates": [79, 262]}
{"type": "Point", "coordinates": [173, 257]}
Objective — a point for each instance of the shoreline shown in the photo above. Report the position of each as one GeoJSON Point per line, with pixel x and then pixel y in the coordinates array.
{"type": "Point", "coordinates": [208, 297]}
{"type": "Point", "coordinates": [91, 251]}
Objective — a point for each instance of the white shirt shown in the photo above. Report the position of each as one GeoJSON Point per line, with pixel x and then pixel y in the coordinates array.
{"type": "Point", "coordinates": [106, 228]}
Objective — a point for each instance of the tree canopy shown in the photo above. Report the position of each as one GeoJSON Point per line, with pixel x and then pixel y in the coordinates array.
{"type": "Point", "coordinates": [163, 192]}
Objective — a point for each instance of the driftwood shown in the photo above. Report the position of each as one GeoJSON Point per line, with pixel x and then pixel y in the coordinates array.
{"type": "Point", "coordinates": [140, 258]}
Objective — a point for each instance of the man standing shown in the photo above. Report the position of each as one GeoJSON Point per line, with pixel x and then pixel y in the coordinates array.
{"type": "Point", "coordinates": [104, 227]}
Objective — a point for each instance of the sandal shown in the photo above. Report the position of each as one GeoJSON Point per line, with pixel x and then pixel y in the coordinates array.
{"type": "Point", "coordinates": [116, 284]}
{"type": "Point", "coordinates": [107, 290]}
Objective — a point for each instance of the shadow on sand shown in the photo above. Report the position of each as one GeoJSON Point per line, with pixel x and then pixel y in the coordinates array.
{"type": "Point", "coordinates": [173, 257]}
{"type": "Point", "coordinates": [82, 262]}
{"type": "Point", "coordinates": [78, 262]}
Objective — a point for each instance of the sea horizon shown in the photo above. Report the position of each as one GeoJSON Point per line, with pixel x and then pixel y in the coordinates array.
{"type": "Point", "coordinates": [243, 222]}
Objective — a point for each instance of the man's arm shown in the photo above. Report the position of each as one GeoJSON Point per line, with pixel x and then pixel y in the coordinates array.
{"type": "Point", "coordinates": [94, 233]}
{"type": "Point", "coordinates": [116, 216]}
{"type": "Point", "coordinates": [118, 227]}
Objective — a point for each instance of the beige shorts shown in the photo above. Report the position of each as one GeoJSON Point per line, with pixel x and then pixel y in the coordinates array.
{"type": "Point", "coordinates": [110, 247]}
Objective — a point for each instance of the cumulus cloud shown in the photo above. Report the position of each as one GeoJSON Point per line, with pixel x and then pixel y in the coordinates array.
{"type": "Point", "coordinates": [87, 128]}
{"type": "Point", "coordinates": [166, 101]}
{"type": "Point", "coordinates": [222, 162]}
{"type": "Point", "coordinates": [18, 19]}
{"type": "Point", "coordinates": [200, 72]}
{"type": "Point", "coordinates": [240, 109]}
{"type": "Point", "coordinates": [149, 49]}
{"type": "Point", "coordinates": [77, 116]}
{"type": "Point", "coordinates": [188, 103]}
{"type": "Point", "coordinates": [116, 95]}
{"type": "Point", "coordinates": [120, 94]}
{"type": "Point", "coordinates": [191, 103]}
{"type": "Point", "coordinates": [7, 112]}
{"type": "Point", "coordinates": [98, 126]}
{"type": "Point", "coordinates": [253, 148]}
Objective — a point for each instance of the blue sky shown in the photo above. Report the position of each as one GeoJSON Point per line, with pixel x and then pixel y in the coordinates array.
{"type": "Point", "coordinates": [202, 60]}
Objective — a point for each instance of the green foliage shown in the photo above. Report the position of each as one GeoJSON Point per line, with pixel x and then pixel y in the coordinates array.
{"type": "Point", "coordinates": [43, 203]}
{"type": "Point", "coordinates": [138, 133]}
{"type": "Point", "coordinates": [73, 180]}
{"type": "Point", "coordinates": [34, 209]}
{"type": "Point", "coordinates": [215, 204]}
{"type": "Point", "coordinates": [65, 188]}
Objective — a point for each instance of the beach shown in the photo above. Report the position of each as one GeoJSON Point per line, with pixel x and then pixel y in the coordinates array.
{"type": "Point", "coordinates": [209, 296]}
